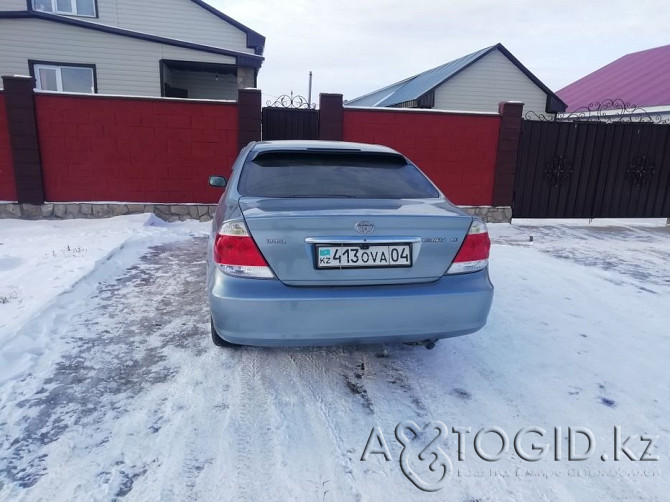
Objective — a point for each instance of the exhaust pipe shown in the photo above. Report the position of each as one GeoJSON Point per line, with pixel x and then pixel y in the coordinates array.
{"type": "Point", "coordinates": [429, 344]}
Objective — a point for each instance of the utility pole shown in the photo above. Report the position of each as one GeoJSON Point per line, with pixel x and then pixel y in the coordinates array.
{"type": "Point", "coordinates": [309, 93]}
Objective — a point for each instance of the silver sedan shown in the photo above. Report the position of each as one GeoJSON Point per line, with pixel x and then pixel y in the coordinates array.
{"type": "Point", "coordinates": [318, 243]}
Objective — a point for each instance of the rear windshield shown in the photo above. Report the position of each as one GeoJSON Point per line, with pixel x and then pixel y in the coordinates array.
{"type": "Point", "coordinates": [320, 174]}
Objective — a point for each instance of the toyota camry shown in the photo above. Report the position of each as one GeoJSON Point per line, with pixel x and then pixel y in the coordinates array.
{"type": "Point", "coordinates": [317, 242]}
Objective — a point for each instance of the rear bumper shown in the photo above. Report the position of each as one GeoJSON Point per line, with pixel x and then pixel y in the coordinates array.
{"type": "Point", "coordinates": [269, 313]}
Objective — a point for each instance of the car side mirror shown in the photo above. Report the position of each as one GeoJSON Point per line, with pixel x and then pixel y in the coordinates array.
{"type": "Point", "coordinates": [217, 181]}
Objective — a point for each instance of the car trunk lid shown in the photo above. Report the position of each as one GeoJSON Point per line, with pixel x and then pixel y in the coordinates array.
{"type": "Point", "coordinates": [290, 232]}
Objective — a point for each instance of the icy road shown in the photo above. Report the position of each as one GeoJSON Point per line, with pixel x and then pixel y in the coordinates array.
{"type": "Point", "coordinates": [110, 386]}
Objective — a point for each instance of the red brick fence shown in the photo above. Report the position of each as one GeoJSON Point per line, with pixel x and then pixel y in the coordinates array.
{"type": "Point", "coordinates": [78, 148]}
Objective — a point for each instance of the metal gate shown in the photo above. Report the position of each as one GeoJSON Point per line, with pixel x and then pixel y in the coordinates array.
{"type": "Point", "coordinates": [592, 170]}
{"type": "Point", "coordinates": [290, 117]}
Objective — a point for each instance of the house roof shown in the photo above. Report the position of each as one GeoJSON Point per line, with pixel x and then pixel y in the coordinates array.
{"type": "Point", "coordinates": [414, 87]}
{"type": "Point", "coordinates": [374, 98]}
{"type": "Point", "coordinates": [640, 79]}
{"type": "Point", "coordinates": [242, 58]}
{"type": "Point", "coordinates": [255, 40]}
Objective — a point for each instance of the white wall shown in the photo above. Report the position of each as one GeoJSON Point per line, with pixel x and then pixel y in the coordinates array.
{"type": "Point", "coordinates": [179, 19]}
{"type": "Point", "coordinates": [124, 65]}
{"type": "Point", "coordinates": [483, 85]}
{"type": "Point", "coordinates": [13, 4]}
{"type": "Point", "coordinates": [106, 13]}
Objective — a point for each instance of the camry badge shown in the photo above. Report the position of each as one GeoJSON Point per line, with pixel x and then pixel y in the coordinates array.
{"type": "Point", "coordinates": [364, 227]}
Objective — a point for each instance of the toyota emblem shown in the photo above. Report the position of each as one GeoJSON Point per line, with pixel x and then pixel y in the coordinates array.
{"type": "Point", "coordinates": [364, 227]}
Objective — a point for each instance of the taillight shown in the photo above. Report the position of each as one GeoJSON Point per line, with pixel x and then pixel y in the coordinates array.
{"type": "Point", "coordinates": [474, 253]}
{"type": "Point", "coordinates": [237, 254]}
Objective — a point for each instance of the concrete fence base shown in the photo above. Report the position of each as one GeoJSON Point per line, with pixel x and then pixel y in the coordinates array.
{"type": "Point", "coordinates": [491, 214]}
{"type": "Point", "coordinates": [168, 212]}
{"type": "Point", "coordinates": [67, 211]}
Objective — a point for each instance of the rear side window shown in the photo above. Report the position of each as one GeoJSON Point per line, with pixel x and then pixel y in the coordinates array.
{"type": "Point", "coordinates": [334, 174]}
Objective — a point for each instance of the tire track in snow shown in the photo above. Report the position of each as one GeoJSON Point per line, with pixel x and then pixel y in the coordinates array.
{"type": "Point", "coordinates": [390, 397]}
{"type": "Point", "coordinates": [255, 428]}
{"type": "Point", "coordinates": [328, 418]}
{"type": "Point", "coordinates": [394, 391]}
{"type": "Point", "coordinates": [411, 394]}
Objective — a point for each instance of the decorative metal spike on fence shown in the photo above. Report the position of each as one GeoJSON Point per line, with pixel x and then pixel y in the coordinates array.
{"type": "Point", "coordinates": [291, 101]}
{"type": "Point", "coordinates": [608, 111]}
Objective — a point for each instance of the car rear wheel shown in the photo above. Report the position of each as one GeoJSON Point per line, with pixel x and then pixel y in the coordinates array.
{"type": "Point", "coordinates": [218, 341]}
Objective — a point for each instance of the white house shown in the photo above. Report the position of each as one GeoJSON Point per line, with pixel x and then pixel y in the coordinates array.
{"type": "Point", "coordinates": [174, 48]}
{"type": "Point", "coordinates": [476, 82]}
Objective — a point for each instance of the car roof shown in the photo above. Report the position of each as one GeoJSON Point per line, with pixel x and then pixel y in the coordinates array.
{"type": "Point", "coordinates": [264, 146]}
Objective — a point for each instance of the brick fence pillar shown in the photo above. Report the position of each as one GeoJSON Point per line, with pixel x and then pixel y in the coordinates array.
{"type": "Point", "coordinates": [23, 139]}
{"type": "Point", "coordinates": [508, 146]}
{"type": "Point", "coordinates": [248, 116]}
{"type": "Point", "coordinates": [330, 117]}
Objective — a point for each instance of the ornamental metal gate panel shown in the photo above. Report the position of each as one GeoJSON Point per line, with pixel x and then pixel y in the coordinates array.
{"type": "Point", "coordinates": [290, 117]}
{"type": "Point", "coordinates": [592, 170]}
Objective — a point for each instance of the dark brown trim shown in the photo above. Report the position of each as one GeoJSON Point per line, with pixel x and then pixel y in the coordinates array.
{"type": "Point", "coordinates": [161, 73]}
{"type": "Point", "coordinates": [33, 62]}
{"type": "Point", "coordinates": [249, 59]}
{"type": "Point", "coordinates": [186, 65]}
{"type": "Point", "coordinates": [554, 104]}
{"type": "Point", "coordinates": [331, 115]}
{"type": "Point", "coordinates": [248, 116]}
{"type": "Point", "coordinates": [23, 139]}
{"type": "Point", "coordinates": [508, 148]}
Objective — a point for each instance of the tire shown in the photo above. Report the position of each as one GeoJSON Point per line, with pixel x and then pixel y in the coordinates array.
{"type": "Point", "coordinates": [217, 340]}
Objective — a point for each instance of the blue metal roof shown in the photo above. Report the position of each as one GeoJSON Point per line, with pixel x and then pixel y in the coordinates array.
{"type": "Point", "coordinates": [424, 82]}
{"type": "Point", "coordinates": [418, 85]}
{"type": "Point", "coordinates": [414, 87]}
{"type": "Point", "coordinates": [375, 97]}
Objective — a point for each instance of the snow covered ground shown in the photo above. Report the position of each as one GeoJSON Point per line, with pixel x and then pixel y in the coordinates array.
{"type": "Point", "coordinates": [110, 386]}
{"type": "Point", "coordinates": [40, 260]}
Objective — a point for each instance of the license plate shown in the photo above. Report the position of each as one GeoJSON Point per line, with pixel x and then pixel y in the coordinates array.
{"type": "Point", "coordinates": [363, 256]}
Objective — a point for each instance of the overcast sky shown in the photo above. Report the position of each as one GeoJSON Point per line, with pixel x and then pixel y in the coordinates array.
{"type": "Point", "coordinates": [356, 46]}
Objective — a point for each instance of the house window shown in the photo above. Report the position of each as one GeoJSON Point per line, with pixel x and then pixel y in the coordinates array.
{"type": "Point", "coordinates": [71, 7]}
{"type": "Point", "coordinates": [64, 78]}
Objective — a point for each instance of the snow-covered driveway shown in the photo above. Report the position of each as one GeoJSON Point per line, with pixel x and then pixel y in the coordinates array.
{"type": "Point", "coordinates": [113, 388]}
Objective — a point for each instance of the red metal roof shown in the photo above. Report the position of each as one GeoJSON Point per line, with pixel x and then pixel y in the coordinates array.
{"type": "Point", "coordinates": [641, 79]}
